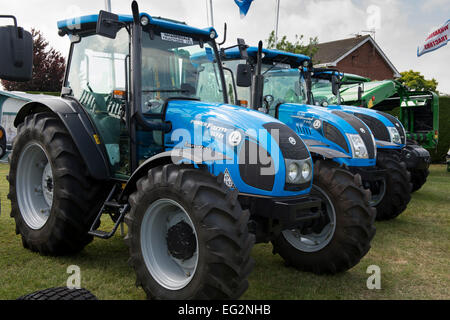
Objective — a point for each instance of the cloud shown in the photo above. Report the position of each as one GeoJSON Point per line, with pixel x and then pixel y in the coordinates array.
{"type": "Point", "coordinates": [404, 23]}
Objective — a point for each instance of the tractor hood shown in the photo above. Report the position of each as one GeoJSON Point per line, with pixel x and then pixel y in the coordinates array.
{"type": "Point", "coordinates": [320, 127]}
{"type": "Point", "coordinates": [387, 129]}
{"type": "Point", "coordinates": [255, 147]}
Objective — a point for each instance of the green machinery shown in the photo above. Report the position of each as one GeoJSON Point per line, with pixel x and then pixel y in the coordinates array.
{"type": "Point", "coordinates": [419, 110]}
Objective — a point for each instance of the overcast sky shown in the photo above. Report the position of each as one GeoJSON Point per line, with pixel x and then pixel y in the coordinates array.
{"type": "Point", "coordinates": [401, 25]}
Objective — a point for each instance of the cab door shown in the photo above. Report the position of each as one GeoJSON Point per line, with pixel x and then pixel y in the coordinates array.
{"type": "Point", "coordinates": [97, 77]}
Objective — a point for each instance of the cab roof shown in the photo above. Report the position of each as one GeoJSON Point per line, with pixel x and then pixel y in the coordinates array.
{"type": "Point", "coordinates": [90, 21]}
{"type": "Point", "coordinates": [269, 54]}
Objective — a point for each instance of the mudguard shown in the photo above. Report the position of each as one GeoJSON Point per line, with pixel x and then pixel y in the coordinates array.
{"type": "Point", "coordinates": [80, 128]}
{"type": "Point", "coordinates": [186, 155]}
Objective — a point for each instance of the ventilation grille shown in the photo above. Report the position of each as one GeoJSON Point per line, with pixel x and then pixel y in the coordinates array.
{"type": "Point", "coordinates": [293, 151]}
{"type": "Point", "coordinates": [333, 134]}
{"type": "Point", "coordinates": [256, 167]}
{"type": "Point", "coordinates": [377, 127]}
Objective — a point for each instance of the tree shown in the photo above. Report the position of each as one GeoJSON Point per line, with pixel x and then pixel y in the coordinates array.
{"type": "Point", "coordinates": [48, 68]}
{"type": "Point", "coordinates": [416, 81]}
{"type": "Point", "coordinates": [294, 47]}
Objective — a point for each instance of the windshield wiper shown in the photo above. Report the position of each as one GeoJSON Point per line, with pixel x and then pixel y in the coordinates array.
{"type": "Point", "coordinates": [275, 64]}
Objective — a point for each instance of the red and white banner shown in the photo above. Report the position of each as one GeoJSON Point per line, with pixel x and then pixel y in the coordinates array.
{"type": "Point", "coordinates": [438, 38]}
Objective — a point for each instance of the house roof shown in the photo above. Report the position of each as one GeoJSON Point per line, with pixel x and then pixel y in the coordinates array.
{"type": "Point", "coordinates": [330, 53]}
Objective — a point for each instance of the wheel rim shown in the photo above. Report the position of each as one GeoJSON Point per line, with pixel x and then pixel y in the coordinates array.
{"type": "Point", "coordinates": [378, 193]}
{"type": "Point", "coordinates": [170, 258]}
{"type": "Point", "coordinates": [34, 185]}
{"type": "Point", "coordinates": [313, 242]}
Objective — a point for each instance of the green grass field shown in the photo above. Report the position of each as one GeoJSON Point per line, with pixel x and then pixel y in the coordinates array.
{"type": "Point", "coordinates": [413, 252]}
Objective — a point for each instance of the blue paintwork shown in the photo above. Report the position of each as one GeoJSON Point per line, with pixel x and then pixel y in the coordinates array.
{"type": "Point", "coordinates": [183, 114]}
{"type": "Point", "coordinates": [369, 112]}
{"type": "Point", "coordinates": [70, 24]}
{"type": "Point", "coordinates": [234, 53]}
{"type": "Point", "coordinates": [289, 113]}
{"type": "Point", "coordinates": [252, 51]}
{"type": "Point", "coordinates": [298, 117]}
{"type": "Point", "coordinates": [353, 109]}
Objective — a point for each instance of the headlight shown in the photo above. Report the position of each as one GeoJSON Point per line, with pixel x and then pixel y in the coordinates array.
{"type": "Point", "coordinates": [293, 171]}
{"type": "Point", "coordinates": [306, 170]}
{"type": "Point", "coordinates": [298, 171]}
{"type": "Point", "coordinates": [395, 136]}
{"type": "Point", "coordinates": [359, 149]}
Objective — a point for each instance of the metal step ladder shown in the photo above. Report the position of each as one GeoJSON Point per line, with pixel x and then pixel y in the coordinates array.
{"type": "Point", "coordinates": [111, 204]}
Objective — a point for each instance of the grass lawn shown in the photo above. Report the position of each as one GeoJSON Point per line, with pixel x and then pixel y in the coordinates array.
{"type": "Point", "coordinates": [413, 252]}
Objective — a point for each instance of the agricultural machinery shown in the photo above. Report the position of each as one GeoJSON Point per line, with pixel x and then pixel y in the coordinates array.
{"type": "Point", "coordinates": [418, 114]}
{"type": "Point", "coordinates": [143, 133]}
{"type": "Point", "coordinates": [282, 87]}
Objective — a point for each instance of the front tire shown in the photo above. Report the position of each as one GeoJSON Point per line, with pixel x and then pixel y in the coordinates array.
{"type": "Point", "coordinates": [398, 186]}
{"type": "Point", "coordinates": [188, 236]}
{"type": "Point", "coordinates": [341, 237]}
{"type": "Point", "coordinates": [418, 178]}
{"type": "Point", "coordinates": [53, 200]}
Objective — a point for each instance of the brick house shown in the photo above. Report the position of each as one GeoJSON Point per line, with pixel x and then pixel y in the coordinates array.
{"type": "Point", "coordinates": [359, 55]}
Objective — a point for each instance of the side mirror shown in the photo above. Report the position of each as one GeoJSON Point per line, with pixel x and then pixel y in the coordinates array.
{"type": "Point", "coordinates": [107, 24]}
{"type": "Point", "coordinates": [16, 54]}
{"type": "Point", "coordinates": [244, 75]}
{"type": "Point", "coordinates": [334, 85]}
{"type": "Point", "coordinates": [242, 49]}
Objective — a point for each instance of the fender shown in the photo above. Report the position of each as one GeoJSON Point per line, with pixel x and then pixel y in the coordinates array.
{"type": "Point", "coordinates": [80, 128]}
{"type": "Point", "coordinates": [177, 156]}
{"type": "Point", "coordinates": [318, 147]}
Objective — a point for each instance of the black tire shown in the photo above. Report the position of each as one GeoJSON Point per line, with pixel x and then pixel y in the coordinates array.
{"type": "Point", "coordinates": [398, 186]}
{"type": "Point", "coordinates": [354, 228]}
{"type": "Point", "coordinates": [224, 243]}
{"type": "Point", "coordinates": [76, 197]}
{"type": "Point", "coordinates": [60, 293]}
{"type": "Point", "coordinates": [418, 178]}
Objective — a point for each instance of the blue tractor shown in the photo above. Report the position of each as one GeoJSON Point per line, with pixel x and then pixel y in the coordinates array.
{"type": "Point", "coordinates": [281, 87]}
{"type": "Point", "coordinates": [144, 134]}
{"type": "Point", "coordinates": [394, 155]}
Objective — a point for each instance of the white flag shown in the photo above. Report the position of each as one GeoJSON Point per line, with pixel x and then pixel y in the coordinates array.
{"type": "Point", "coordinates": [438, 38]}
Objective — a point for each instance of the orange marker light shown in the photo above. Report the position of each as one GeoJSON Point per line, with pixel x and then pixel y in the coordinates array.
{"type": "Point", "coordinates": [119, 94]}
{"type": "Point", "coordinates": [243, 103]}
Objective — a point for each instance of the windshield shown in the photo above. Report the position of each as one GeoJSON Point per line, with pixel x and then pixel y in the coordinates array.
{"type": "Point", "coordinates": [322, 92]}
{"type": "Point", "coordinates": [285, 85]}
{"type": "Point", "coordinates": [175, 66]}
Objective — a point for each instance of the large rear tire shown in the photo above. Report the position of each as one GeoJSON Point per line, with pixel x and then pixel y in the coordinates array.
{"type": "Point", "coordinates": [188, 236]}
{"type": "Point", "coordinates": [398, 186]}
{"type": "Point", "coordinates": [53, 200]}
{"type": "Point", "coordinates": [341, 237]}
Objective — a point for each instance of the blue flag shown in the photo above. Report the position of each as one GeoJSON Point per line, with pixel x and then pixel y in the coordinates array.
{"type": "Point", "coordinates": [243, 5]}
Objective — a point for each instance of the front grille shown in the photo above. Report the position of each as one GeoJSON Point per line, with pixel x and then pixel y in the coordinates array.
{"type": "Point", "coordinates": [286, 136]}
{"type": "Point", "coordinates": [397, 124]}
{"type": "Point", "coordinates": [252, 167]}
{"type": "Point", "coordinates": [361, 129]}
{"type": "Point", "coordinates": [379, 130]}
{"type": "Point", "coordinates": [333, 134]}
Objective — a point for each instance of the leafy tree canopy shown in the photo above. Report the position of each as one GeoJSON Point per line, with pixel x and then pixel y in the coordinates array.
{"type": "Point", "coordinates": [416, 81]}
{"type": "Point", "coordinates": [298, 46]}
